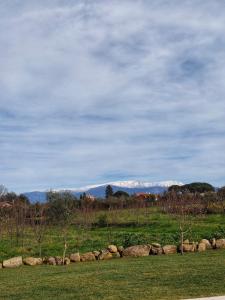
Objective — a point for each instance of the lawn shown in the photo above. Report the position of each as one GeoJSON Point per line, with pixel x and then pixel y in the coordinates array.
{"type": "Point", "coordinates": [153, 277]}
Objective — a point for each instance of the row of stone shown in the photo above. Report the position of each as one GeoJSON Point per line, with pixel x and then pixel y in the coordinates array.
{"type": "Point", "coordinates": [113, 251]}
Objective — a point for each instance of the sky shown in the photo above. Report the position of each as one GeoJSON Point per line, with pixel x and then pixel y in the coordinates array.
{"type": "Point", "coordinates": [104, 90]}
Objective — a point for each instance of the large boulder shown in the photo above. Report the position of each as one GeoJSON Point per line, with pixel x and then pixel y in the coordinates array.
{"type": "Point", "coordinates": [32, 261]}
{"type": "Point", "coordinates": [112, 248]}
{"type": "Point", "coordinates": [75, 257]}
{"type": "Point", "coordinates": [120, 250]}
{"type": "Point", "coordinates": [207, 243]}
{"type": "Point", "coordinates": [213, 243]}
{"type": "Point", "coordinates": [89, 256]}
{"type": "Point", "coordinates": [51, 261]}
{"type": "Point", "coordinates": [96, 253]}
{"type": "Point", "coordinates": [116, 255]}
{"type": "Point", "coordinates": [105, 254]}
{"type": "Point", "coordinates": [191, 247]}
{"type": "Point", "coordinates": [66, 261]}
{"type": "Point", "coordinates": [59, 260]}
{"type": "Point", "coordinates": [201, 247]}
{"type": "Point", "coordinates": [220, 244]}
{"type": "Point", "coordinates": [169, 249]}
{"type": "Point", "coordinates": [156, 250]}
{"type": "Point", "coordinates": [13, 262]}
{"type": "Point", "coordinates": [139, 250]}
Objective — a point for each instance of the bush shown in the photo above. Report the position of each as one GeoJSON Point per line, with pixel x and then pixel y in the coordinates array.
{"type": "Point", "coordinates": [131, 239]}
{"type": "Point", "coordinates": [102, 220]}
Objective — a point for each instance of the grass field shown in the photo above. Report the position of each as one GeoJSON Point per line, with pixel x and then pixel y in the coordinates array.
{"type": "Point", "coordinates": [153, 277]}
{"type": "Point", "coordinates": [125, 226]}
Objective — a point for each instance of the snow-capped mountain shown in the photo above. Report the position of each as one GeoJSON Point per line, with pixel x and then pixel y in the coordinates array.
{"type": "Point", "coordinates": [98, 190]}
{"type": "Point", "coordinates": [127, 184]}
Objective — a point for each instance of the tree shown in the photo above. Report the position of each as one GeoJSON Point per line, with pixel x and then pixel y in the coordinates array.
{"type": "Point", "coordinates": [194, 187]}
{"type": "Point", "coordinates": [183, 206]}
{"type": "Point", "coordinates": [38, 223]}
{"type": "Point", "coordinates": [3, 190]}
{"type": "Point", "coordinates": [120, 194]}
{"type": "Point", "coordinates": [221, 193]}
{"type": "Point", "coordinates": [60, 211]}
{"type": "Point", "coordinates": [108, 192]}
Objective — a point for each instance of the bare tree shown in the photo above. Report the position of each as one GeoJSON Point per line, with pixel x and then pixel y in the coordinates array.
{"type": "Point", "coordinates": [183, 206]}
{"type": "Point", "coordinates": [3, 190]}
{"type": "Point", "coordinates": [38, 222]}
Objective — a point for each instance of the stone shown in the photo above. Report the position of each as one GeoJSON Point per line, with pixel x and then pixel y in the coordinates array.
{"type": "Point", "coordinates": [112, 248]}
{"type": "Point", "coordinates": [105, 254]}
{"type": "Point", "coordinates": [32, 261]}
{"type": "Point", "coordinates": [156, 250]}
{"type": "Point", "coordinates": [89, 256]}
{"type": "Point", "coordinates": [13, 262]}
{"type": "Point", "coordinates": [207, 243]}
{"type": "Point", "coordinates": [213, 243]}
{"type": "Point", "coordinates": [96, 253]}
{"type": "Point", "coordinates": [188, 247]}
{"type": "Point", "coordinates": [201, 247]}
{"type": "Point", "coordinates": [66, 261]}
{"type": "Point", "coordinates": [156, 245]}
{"type": "Point", "coordinates": [75, 257]}
{"type": "Point", "coordinates": [120, 249]}
{"type": "Point", "coordinates": [220, 244]}
{"type": "Point", "coordinates": [51, 261]}
{"type": "Point", "coordinates": [186, 241]}
{"type": "Point", "coordinates": [136, 251]}
{"type": "Point", "coordinates": [58, 260]}
{"type": "Point", "coordinates": [116, 255]}
{"type": "Point", "coordinates": [169, 249]}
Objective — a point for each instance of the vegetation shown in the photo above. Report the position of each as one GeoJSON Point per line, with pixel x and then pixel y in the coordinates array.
{"type": "Point", "coordinates": [108, 192]}
{"type": "Point", "coordinates": [122, 227]}
{"type": "Point", "coordinates": [195, 187]}
{"type": "Point", "coordinates": [66, 225]}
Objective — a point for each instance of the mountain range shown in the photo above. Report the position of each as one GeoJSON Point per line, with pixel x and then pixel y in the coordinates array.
{"type": "Point", "coordinates": [98, 190]}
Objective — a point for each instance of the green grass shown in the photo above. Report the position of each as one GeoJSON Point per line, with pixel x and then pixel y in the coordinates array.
{"type": "Point", "coordinates": [153, 277]}
{"type": "Point", "coordinates": [149, 225]}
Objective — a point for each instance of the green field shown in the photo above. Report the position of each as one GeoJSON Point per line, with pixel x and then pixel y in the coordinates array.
{"type": "Point", "coordinates": [125, 227]}
{"type": "Point", "coordinates": [153, 277]}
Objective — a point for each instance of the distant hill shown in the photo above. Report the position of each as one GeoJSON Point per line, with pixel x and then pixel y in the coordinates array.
{"type": "Point", "coordinates": [130, 187]}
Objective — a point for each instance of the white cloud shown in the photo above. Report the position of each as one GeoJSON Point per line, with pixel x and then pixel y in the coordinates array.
{"type": "Point", "coordinates": [106, 89]}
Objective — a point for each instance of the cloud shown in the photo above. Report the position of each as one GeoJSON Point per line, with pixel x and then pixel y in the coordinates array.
{"type": "Point", "coordinates": [98, 90]}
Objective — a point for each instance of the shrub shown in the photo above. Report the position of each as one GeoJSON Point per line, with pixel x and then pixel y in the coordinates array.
{"type": "Point", "coordinates": [102, 220]}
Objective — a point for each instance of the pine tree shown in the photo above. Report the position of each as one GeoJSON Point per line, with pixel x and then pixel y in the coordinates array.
{"type": "Point", "coordinates": [108, 192]}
